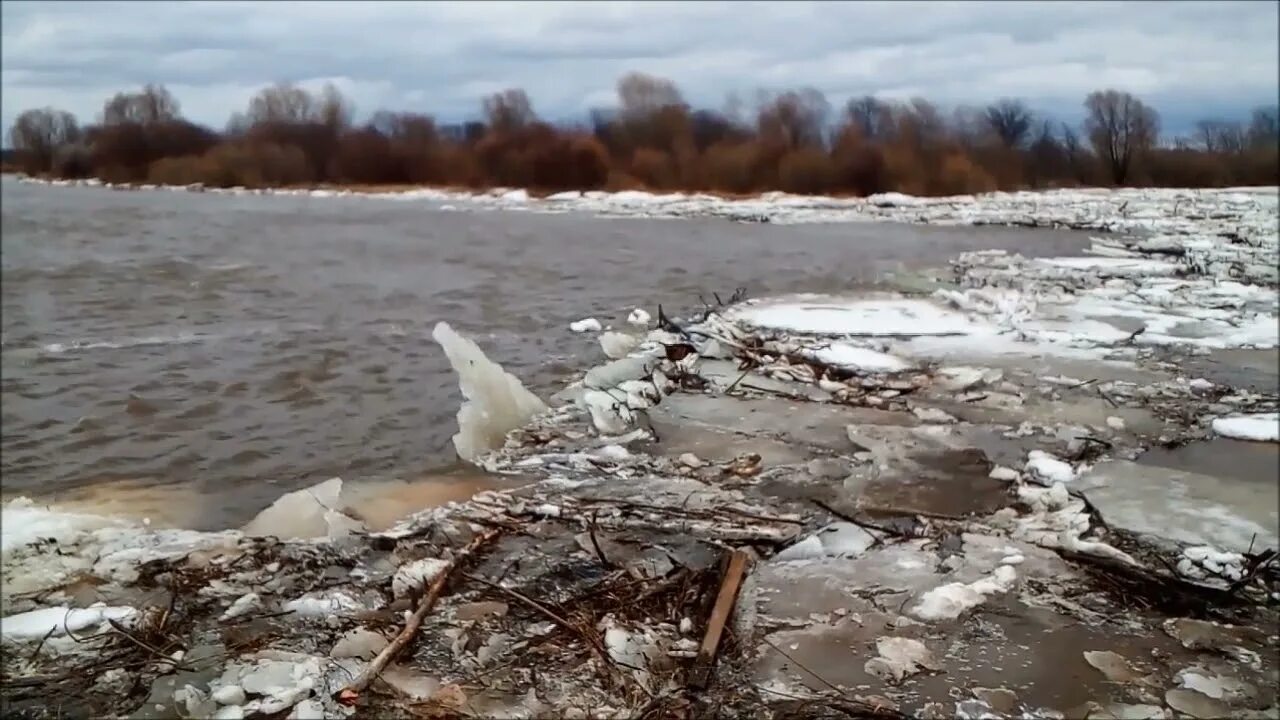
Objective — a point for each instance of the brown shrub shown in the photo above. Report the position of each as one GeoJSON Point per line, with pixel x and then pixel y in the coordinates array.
{"type": "Point", "coordinates": [655, 168]}
{"type": "Point", "coordinates": [807, 171]}
{"type": "Point", "coordinates": [730, 167]}
{"type": "Point", "coordinates": [959, 176]}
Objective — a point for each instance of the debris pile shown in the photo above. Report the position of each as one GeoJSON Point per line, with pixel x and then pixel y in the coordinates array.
{"type": "Point", "coordinates": [974, 501]}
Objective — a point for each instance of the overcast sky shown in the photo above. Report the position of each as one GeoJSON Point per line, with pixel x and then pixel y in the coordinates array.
{"type": "Point", "coordinates": [1189, 59]}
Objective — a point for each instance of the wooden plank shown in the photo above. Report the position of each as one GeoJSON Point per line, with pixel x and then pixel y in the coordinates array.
{"type": "Point", "coordinates": [700, 674]}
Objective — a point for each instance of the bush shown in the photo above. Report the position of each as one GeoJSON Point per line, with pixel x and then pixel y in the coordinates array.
{"type": "Point", "coordinates": [806, 171]}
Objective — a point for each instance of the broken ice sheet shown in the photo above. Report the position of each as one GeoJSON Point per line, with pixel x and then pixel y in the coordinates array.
{"type": "Point", "coordinates": [876, 315]}
{"type": "Point", "coordinates": [496, 401]}
{"type": "Point", "coordinates": [1262, 427]}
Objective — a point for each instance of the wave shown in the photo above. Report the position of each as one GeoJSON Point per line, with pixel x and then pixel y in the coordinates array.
{"type": "Point", "coordinates": [59, 348]}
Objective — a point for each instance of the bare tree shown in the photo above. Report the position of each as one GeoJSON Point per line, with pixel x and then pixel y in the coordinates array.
{"type": "Point", "coordinates": [871, 117]}
{"type": "Point", "coordinates": [1076, 154]}
{"type": "Point", "coordinates": [409, 128]}
{"type": "Point", "coordinates": [284, 104]}
{"type": "Point", "coordinates": [508, 110]}
{"type": "Point", "coordinates": [641, 95]}
{"type": "Point", "coordinates": [794, 119]}
{"type": "Point", "coordinates": [333, 109]}
{"type": "Point", "coordinates": [150, 106]}
{"type": "Point", "coordinates": [1011, 121]}
{"type": "Point", "coordinates": [38, 134]}
{"type": "Point", "coordinates": [1121, 127]}
{"type": "Point", "coordinates": [1264, 127]}
{"type": "Point", "coordinates": [1221, 136]}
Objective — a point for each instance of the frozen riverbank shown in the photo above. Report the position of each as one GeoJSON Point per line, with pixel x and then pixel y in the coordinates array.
{"type": "Point", "coordinates": [941, 492]}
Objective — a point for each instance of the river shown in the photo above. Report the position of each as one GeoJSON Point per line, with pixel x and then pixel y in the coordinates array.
{"type": "Point", "coordinates": [215, 351]}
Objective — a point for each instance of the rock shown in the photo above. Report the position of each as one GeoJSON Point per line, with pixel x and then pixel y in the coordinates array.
{"type": "Point", "coordinates": [690, 460]}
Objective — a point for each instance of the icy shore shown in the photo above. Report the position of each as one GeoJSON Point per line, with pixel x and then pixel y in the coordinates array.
{"type": "Point", "coordinates": [943, 491]}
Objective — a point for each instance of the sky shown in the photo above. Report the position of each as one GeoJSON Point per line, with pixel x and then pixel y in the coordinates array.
{"type": "Point", "coordinates": [1190, 60]}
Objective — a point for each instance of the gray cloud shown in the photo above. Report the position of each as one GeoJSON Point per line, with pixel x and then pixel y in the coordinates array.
{"type": "Point", "coordinates": [1187, 58]}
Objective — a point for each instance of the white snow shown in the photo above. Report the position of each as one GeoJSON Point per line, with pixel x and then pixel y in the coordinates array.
{"type": "Point", "coordinates": [830, 315]}
{"type": "Point", "coordinates": [947, 602]}
{"type": "Point", "coordinates": [1261, 427]}
{"type": "Point", "coordinates": [852, 357]}
{"type": "Point", "coordinates": [496, 402]}
{"type": "Point", "coordinates": [585, 325]}
{"type": "Point", "coordinates": [1048, 468]}
{"type": "Point", "coordinates": [58, 621]}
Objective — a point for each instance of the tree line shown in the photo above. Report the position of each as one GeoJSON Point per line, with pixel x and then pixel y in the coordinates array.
{"type": "Point", "coordinates": [794, 141]}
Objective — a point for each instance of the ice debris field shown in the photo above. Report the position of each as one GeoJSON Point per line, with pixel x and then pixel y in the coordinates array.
{"type": "Point", "coordinates": [1010, 488]}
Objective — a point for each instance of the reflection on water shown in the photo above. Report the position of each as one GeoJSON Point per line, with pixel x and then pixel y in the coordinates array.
{"type": "Point", "coordinates": [218, 351]}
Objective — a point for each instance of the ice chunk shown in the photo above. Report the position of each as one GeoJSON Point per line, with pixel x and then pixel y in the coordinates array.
{"type": "Point", "coordinates": [948, 601]}
{"type": "Point", "coordinates": [639, 318]}
{"type": "Point", "coordinates": [899, 658]}
{"type": "Point", "coordinates": [894, 199]}
{"type": "Point", "coordinates": [839, 539]}
{"type": "Point", "coordinates": [870, 316]}
{"type": "Point", "coordinates": [37, 624]}
{"type": "Point", "coordinates": [1048, 468]}
{"type": "Point", "coordinates": [852, 357]}
{"type": "Point", "coordinates": [300, 514]}
{"type": "Point", "coordinates": [496, 403]}
{"type": "Point", "coordinates": [22, 523]}
{"type": "Point", "coordinates": [1262, 427]}
{"type": "Point", "coordinates": [583, 325]}
{"type": "Point", "coordinates": [616, 345]}
{"type": "Point", "coordinates": [413, 576]}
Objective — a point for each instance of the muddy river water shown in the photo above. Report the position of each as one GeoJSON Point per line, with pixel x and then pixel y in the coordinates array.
{"type": "Point", "coordinates": [198, 355]}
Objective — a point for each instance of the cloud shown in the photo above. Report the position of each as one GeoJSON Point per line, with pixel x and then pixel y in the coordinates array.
{"type": "Point", "coordinates": [1218, 57]}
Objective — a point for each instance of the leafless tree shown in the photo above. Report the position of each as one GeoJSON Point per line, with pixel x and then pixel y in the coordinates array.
{"type": "Point", "coordinates": [38, 134]}
{"type": "Point", "coordinates": [409, 128]}
{"type": "Point", "coordinates": [1011, 121]}
{"type": "Point", "coordinates": [508, 110]}
{"type": "Point", "coordinates": [1264, 127]}
{"type": "Point", "coordinates": [641, 95]}
{"type": "Point", "coordinates": [333, 109]}
{"type": "Point", "coordinates": [1221, 136]}
{"type": "Point", "coordinates": [871, 117]}
{"type": "Point", "coordinates": [794, 119]}
{"type": "Point", "coordinates": [152, 105]}
{"type": "Point", "coordinates": [1121, 127]}
{"type": "Point", "coordinates": [284, 104]}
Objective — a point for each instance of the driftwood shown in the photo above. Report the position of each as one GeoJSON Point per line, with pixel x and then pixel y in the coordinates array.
{"type": "Point", "coordinates": [720, 613]}
{"type": "Point", "coordinates": [358, 685]}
